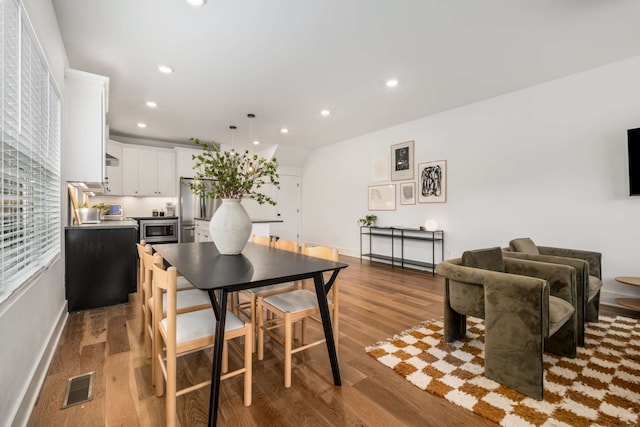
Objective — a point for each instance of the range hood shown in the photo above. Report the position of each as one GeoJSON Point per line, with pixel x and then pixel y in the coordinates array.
{"type": "Point", "coordinates": [110, 160]}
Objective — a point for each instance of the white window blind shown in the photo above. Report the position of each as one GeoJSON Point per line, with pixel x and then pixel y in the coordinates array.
{"type": "Point", "coordinates": [30, 153]}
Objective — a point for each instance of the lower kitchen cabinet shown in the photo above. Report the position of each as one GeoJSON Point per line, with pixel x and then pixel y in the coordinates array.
{"type": "Point", "coordinates": [100, 264]}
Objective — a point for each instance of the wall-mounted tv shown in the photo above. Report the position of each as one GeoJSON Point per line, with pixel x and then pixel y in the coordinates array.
{"type": "Point", "coordinates": [633, 142]}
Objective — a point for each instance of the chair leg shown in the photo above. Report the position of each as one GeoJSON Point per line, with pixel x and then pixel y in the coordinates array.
{"type": "Point", "coordinates": [248, 356]}
{"type": "Point", "coordinates": [287, 349]}
{"type": "Point", "coordinates": [253, 309]}
{"type": "Point", "coordinates": [225, 357]}
{"type": "Point", "coordinates": [171, 386]}
{"type": "Point", "coordinates": [156, 370]}
{"type": "Point", "coordinates": [147, 321]}
{"type": "Point", "coordinates": [258, 327]}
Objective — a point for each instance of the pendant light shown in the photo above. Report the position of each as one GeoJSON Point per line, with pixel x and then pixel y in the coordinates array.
{"type": "Point", "coordinates": [233, 131]}
{"type": "Point", "coordinates": [251, 140]}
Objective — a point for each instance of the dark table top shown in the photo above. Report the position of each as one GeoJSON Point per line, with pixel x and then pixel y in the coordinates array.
{"type": "Point", "coordinates": [203, 266]}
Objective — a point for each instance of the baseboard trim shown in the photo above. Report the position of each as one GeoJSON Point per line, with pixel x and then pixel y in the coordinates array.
{"type": "Point", "coordinates": [620, 310]}
{"type": "Point", "coordinates": [23, 414]}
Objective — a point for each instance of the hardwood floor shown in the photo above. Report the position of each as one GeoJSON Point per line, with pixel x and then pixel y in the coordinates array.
{"type": "Point", "coordinates": [376, 303]}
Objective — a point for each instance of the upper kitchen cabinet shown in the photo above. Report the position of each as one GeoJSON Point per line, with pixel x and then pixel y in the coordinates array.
{"type": "Point", "coordinates": [113, 175]}
{"type": "Point", "coordinates": [185, 162]}
{"type": "Point", "coordinates": [148, 172]}
{"type": "Point", "coordinates": [84, 130]}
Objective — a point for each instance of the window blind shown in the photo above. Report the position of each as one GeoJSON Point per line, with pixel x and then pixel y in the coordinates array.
{"type": "Point", "coordinates": [30, 153]}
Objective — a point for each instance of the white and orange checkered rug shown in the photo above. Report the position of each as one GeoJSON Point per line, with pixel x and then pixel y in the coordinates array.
{"type": "Point", "coordinates": [600, 387]}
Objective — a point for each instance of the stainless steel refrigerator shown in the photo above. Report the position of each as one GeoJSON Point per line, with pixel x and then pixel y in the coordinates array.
{"type": "Point", "coordinates": [190, 208]}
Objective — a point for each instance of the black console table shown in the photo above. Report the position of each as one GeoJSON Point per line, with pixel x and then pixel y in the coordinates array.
{"type": "Point", "coordinates": [402, 234]}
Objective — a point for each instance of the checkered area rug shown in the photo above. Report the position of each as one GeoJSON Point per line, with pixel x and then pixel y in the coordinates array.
{"type": "Point", "coordinates": [600, 387]}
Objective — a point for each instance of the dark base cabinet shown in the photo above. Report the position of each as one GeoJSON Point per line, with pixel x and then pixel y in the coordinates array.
{"type": "Point", "coordinates": [100, 266]}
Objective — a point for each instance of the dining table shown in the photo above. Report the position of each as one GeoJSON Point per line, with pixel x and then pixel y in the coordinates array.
{"type": "Point", "coordinates": [202, 265]}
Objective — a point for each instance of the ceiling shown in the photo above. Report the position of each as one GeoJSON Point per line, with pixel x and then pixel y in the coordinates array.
{"type": "Point", "coordinates": [286, 60]}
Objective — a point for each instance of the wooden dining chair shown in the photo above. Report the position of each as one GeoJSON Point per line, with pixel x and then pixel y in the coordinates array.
{"type": "Point", "coordinates": [188, 299]}
{"type": "Point", "coordinates": [182, 333]}
{"type": "Point", "coordinates": [248, 307]}
{"type": "Point", "coordinates": [294, 306]}
{"type": "Point", "coordinates": [142, 300]}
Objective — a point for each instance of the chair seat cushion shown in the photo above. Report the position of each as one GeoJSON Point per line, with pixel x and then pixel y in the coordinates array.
{"type": "Point", "coordinates": [294, 301]}
{"type": "Point", "coordinates": [594, 287]}
{"type": "Point", "coordinates": [524, 245]}
{"type": "Point", "coordinates": [486, 259]}
{"type": "Point", "coordinates": [559, 312]}
{"type": "Point", "coordinates": [265, 290]}
{"type": "Point", "coordinates": [200, 324]}
{"type": "Point", "coordinates": [185, 299]}
{"type": "Point", "coordinates": [183, 283]}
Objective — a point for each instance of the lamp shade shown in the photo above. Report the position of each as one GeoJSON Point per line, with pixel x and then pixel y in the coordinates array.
{"type": "Point", "coordinates": [431, 225]}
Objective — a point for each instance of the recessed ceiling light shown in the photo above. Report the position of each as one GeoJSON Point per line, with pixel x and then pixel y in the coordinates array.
{"type": "Point", "coordinates": [284, 130]}
{"type": "Point", "coordinates": [151, 104]}
{"type": "Point", "coordinates": [256, 142]}
{"type": "Point", "coordinates": [197, 2]}
{"type": "Point", "coordinates": [392, 83]}
{"type": "Point", "coordinates": [165, 69]}
{"type": "Point", "coordinates": [142, 125]}
{"type": "Point", "coordinates": [325, 112]}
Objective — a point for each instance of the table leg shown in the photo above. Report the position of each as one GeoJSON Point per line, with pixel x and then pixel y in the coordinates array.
{"type": "Point", "coordinates": [321, 294]}
{"type": "Point", "coordinates": [220, 310]}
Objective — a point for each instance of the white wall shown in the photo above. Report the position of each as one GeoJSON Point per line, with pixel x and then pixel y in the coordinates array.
{"type": "Point", "coordinates": [548, 162]}
{"type": "Point", "coordinates": [30, 320]}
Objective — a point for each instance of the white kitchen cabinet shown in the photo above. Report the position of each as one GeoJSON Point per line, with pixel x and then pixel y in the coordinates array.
{"type": "Point", "coordinates": [185, 162]}
{"type": "Point", "coordinates": [148, 172]}
{"type": "Point", "coordinates": [202, 231]}
{"type": "Point", "coordinates": [113, 176]}
{"type": "Point", "coordinates": [130, 167]}
{"type": "Point", "coordinates": [84, 126]}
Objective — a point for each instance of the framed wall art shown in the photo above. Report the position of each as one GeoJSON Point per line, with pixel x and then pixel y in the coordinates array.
{"type": "Point", "coordinates": [408, 193]}
{"type": "Point", "coordinates": [432, 182]}
{"type": "Point", "coordinates": [402, 161]}
{"type": "Point", "coordinates": [382, 197]}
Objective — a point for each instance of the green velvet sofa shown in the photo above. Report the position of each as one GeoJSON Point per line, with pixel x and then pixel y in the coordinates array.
{"type": "Point", "coordinates": [588, 267]}
{"type": "Point", "coordinates": [529, 307]}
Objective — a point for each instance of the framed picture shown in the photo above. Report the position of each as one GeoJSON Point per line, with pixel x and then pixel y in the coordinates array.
{"type": "Point", "coordinates": [382, 197]}
{"type": "Point", "coordinates": [408, 193]}
{"type": "Point", "coordinates": [116, 211]}
{"type": "Point", "coordinates": [402, 161]}
{"type": "Point", "coordinates": [379, 170]}
{"type": "Point", "coordinates": [432, 182]}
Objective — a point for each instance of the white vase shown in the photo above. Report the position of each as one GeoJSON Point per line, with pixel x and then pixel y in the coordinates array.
{"type": "Point", "coordinates": [230, 227]}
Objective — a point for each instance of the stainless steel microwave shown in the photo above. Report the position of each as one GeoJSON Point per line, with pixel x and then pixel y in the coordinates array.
{"type": "Point", "coordinates": [159, 230]}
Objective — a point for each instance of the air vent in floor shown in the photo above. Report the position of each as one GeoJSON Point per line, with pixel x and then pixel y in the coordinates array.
{"type": "Point", "coordinates": [79, 390]}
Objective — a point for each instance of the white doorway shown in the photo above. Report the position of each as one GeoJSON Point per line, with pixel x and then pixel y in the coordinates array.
{"type": "Point", "coordinates": [287, 209]}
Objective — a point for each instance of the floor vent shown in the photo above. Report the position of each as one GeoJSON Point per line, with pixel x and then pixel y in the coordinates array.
{"type": "Point", "coordinates": [79, 390]}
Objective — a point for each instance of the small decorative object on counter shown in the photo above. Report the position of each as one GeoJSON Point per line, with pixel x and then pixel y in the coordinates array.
{"type": "Point", "coordinates": [154, 212]}
{"type": "Point", "coordinates": [103, 208]}
{"type": "Point", "coordinates": [368, 220]}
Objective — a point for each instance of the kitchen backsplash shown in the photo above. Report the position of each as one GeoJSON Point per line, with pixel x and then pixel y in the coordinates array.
{"type": "Point", "coordinates": [136, 206]}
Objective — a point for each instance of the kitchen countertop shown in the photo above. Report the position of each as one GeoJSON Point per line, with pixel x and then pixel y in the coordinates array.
{"type": "Point", "coordinates": [253, 221]}
{"type": "Point", "coordinates": [152, 217]}
{"type": "Point", "coordinates": [107, 224]}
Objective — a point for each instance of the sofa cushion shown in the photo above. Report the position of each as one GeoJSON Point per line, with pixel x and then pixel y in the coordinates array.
{"type": "Point", "coordinates": [524, 245]}
{"type": "Point", "coordinates": [594, 287]}
{"type": "Point", "coordinates": [486, 259]}
{"type": "Point", "coordinates": [559, 312]}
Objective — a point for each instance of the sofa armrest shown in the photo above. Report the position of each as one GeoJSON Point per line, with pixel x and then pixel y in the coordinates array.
{"type": "Point", "coordinates": [593, 258]}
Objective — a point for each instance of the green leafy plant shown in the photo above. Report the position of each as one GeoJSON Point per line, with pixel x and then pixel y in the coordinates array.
{"type": "Point", "coordinates": [232, 175]}
{"type": "Point", "coordinates": [102, 207]}
{"type": "Point", "coordinates": [368, 220]}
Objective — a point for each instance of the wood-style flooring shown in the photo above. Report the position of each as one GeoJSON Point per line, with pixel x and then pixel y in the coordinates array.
{"type": "Point", "coordinates": [376, 303]}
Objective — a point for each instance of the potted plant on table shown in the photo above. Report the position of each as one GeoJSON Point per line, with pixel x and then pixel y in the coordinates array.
{"type": "Point", "coordinates": [232, 176]}
{"type": "Point", "coordinates": [368, 220]}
